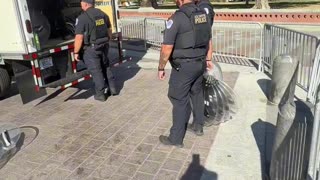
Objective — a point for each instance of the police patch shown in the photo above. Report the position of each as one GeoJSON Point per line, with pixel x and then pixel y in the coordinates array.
{"type": "Point", "coordinates": [199, 19]}
{"type": "Point", "coordinates": [207, 10]}
{"type": "Point", "coordinates": [99, 22]}
{"type": "Point", "coordinates": [169, 24]}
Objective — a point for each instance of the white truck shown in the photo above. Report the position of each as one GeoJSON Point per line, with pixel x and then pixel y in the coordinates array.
{"type": "Point", "coordinates": [35, 59]}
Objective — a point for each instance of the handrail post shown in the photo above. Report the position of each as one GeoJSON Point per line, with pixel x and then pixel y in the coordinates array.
{"type": "Point", "coordinates": [284, 78]}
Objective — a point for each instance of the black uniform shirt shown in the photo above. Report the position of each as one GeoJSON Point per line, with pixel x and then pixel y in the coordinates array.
{"type": "Point", "coordinates": [180, 23]}
{"type": "Point", "coordinates": [84, 24]}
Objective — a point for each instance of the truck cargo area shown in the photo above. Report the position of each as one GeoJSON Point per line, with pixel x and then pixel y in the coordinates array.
{"type": "Point", "coordinates": [53, 21]}
{"type": "Point", "coordinates": [36, 44]}
{"type": "Point", "coordinates": [52, 43]}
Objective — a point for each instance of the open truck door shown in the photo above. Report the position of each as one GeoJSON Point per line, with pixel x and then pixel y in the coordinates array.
{"type": "Point", "coordinates": [11, 44]}
{"type": "Point", "coordinates": [16, 41]}
{"type": "Point", "coordinates": [16, 36]}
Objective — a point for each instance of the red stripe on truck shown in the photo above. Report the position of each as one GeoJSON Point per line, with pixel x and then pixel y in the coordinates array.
{"type": "Point", "coordinates": [57, 50]}
{"type": "Point", "coordinates": [70, 46]}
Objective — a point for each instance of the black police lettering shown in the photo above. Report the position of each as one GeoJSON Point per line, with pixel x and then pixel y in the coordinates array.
{"type": "Point", "coordinates": [200, 19]}
{"type": "Point", "coordinates": [100, 22]}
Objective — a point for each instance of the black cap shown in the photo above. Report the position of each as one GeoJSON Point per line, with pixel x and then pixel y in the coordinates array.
{"type": "Point", "coordinates": [88, 1]}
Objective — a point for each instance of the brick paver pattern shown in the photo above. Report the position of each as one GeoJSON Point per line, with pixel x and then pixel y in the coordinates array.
{"type": "Point", "coordinates": [80, 138]}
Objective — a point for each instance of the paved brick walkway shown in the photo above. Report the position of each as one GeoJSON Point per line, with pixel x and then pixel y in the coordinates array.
{"type": "Point", "coordinates": [80, 138]}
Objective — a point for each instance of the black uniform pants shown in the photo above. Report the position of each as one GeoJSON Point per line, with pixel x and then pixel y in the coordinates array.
{"type": "Point", "coordinates": [98, 64]}
{"type": "Point", "coordinates": [184, 85]}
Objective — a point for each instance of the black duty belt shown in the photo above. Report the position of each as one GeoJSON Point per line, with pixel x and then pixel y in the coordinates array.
{"type": "Point", "coordinates": [88, 46]}
{"type": "Point", "coordinates": [186, 60]}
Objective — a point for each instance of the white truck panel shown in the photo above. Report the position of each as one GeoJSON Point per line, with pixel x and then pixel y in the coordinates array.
{"type": "Point", "coordinates": [12, 39]}
{"type": "Point", "coordinates": [24, 14]}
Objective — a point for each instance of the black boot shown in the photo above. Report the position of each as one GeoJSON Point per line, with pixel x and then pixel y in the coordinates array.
{"type": "Point", "coordinates": [166, 141]}
{"type": "Point", "coordinates": [196, 128]}
{"type": "Point", "coordinates": [110, 92]}
{"type": "Point", "coordinates": [100, 97]}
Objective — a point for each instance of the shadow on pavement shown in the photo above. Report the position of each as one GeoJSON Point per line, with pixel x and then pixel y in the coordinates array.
{"type": "Point", "coordinates": [295, 144]}
{"type": "Point", "coordinates": [265, 86]}
{"type": "Point", "coordinates": [122, 73]}
{"type": "Point", "coordinates": [12, 92]}
{"type": "Point", "coordinates": [51, 96]}
{"type": "Point", "coordinates": [196, 171]}
{"type": "Point", "coordinates": [292, 148]}
{"type": "Point", "coordinates": [264, 133]}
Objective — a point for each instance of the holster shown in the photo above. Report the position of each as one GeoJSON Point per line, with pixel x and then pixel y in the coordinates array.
{"type": "Point", "coordinates": [175, 65]}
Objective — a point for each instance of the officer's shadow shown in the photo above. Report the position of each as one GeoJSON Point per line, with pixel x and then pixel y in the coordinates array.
{"type": "Point", "coordinates": [196, 171]}
{"type": "Point", "coordinates": [122, 72]}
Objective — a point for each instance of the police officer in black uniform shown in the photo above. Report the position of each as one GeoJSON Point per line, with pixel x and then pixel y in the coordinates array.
{"type": "Point", "coordinates": [208, 8]}
{"type": "Point", "coordinates": [93, 32]}
{"type": "Point", "coordinates": [185, 44]}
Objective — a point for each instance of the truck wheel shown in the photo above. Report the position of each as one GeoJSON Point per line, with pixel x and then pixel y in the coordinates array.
{"type": "Point", "coordinates": [5, 81]}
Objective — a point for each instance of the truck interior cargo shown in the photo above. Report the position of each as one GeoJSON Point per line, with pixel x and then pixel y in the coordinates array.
{"type": "Point", "coordinates": [53, 21]}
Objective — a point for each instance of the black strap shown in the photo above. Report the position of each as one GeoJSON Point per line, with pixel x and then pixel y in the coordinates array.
{"type": "Point", "coordinates": [94, 27]}
{"type": "Point", "coordinates": [187, 11]}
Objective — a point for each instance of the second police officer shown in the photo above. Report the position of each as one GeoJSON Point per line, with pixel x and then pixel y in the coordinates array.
{"type": "Point", "coordinates": [93, 33]}
{"type": "Point", "coordinates": [186, 42]}
{"type": "Point", "coordinates": [208, 8]}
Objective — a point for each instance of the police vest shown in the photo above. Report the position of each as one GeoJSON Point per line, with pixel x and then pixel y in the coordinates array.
{"type": "Point", "coordinates": [207, 6]}
{"type": "Point", "coordinates": [98, 31]}
{"type": "Point", "coordinates": [199, 36]}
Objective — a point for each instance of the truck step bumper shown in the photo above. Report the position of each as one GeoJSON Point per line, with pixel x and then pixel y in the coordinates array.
{"type": "Point", "coordinates": [69, 79]}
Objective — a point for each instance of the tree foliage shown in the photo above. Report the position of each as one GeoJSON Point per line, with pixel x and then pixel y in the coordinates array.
{"type": "Point", "coordinates": [149, 3]}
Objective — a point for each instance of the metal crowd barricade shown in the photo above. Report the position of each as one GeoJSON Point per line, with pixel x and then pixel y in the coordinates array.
{"type": "Point", "coordinates": [238, 39]}
{"type": "Point", "coordinates": [315, 78]}
{"type": "Point", "coordinates": [280, 40]}
{"type": "Point", "coordinates": [229, 39]}
{"type": "Point", "coordinates": [292, 157]}
{"type": "Point", "coordinates": [154, 28]}
{"type": "Point", "coordinates": [149, 30]}
{"type": "Point", "coordinates": [133, 31]}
